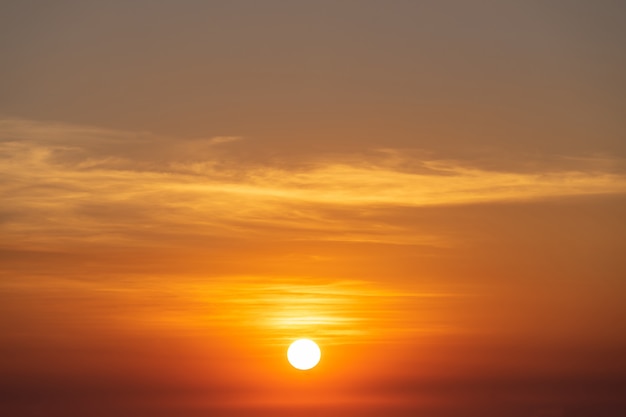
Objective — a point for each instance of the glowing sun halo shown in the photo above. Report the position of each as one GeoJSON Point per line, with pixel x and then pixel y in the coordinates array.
{"type": "Point", "coordinates": [303, 354]}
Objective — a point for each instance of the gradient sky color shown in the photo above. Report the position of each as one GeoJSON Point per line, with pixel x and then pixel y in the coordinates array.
{"type": "Point", "coordinates": [433, 191]}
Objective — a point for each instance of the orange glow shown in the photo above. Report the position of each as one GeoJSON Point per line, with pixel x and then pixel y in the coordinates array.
{"type": "Point", "coordinates": [432, 192]}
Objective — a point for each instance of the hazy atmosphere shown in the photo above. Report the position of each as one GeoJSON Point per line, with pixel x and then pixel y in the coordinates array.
{"type": "Point", "coordinates": [432, 191]}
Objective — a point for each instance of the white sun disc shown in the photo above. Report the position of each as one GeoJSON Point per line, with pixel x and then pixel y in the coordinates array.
{"type": "Point", "coordinates": [304, 354]}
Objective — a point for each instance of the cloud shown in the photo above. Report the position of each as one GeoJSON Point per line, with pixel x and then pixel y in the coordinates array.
{"type": "Point", "coordinates": [218, 140]}
{"type": "Point", "coordinates": [64, 183]}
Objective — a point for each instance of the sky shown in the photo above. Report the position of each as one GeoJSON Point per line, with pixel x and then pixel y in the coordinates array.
{"type": "Point", "coordinates": [433, 191]}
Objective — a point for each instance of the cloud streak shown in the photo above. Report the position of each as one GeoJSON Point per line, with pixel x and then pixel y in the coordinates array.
{"type": "Point", "coordinates": [72, 183]}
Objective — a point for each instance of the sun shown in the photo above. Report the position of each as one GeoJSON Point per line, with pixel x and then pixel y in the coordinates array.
{"type": "Point", "coordinates": [304, 354]}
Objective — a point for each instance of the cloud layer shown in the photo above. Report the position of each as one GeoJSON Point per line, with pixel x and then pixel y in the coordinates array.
{"type": "Point", "coordinates": [64, 183]}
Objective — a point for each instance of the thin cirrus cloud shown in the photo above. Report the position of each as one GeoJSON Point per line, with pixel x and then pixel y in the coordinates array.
{"type": "Point", "coordinates": [82, 184]}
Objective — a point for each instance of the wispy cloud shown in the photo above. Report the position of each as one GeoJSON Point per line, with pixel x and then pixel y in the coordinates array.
{"type": "Point", "coordinates": [217, 140]}
{"type": "Point", "coordinates": [63, 183]}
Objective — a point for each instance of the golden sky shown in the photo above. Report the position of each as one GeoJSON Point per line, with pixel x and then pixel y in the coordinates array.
{"type": "Point", "coordinates": [433, 191]}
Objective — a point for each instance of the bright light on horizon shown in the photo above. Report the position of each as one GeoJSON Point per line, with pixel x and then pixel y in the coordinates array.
{"type": "Point", "coordinates": [304, 354]}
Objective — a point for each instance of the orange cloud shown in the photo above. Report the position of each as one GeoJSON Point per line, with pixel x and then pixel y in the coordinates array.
{"type": "Point", "coordinates": [65, 183]}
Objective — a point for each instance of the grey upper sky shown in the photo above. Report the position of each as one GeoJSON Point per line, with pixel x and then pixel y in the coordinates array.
{"type": "Point", "coordinates": [531, 76]}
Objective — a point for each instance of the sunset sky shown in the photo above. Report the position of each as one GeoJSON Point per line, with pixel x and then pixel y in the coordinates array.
{"type": "Point", "coordinates": [433, 191]}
